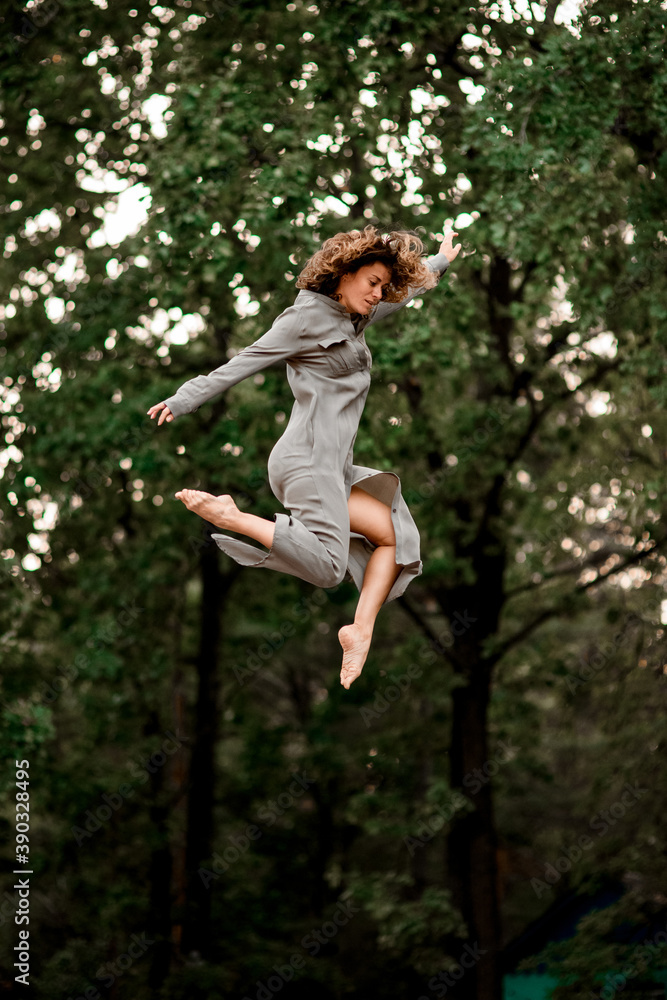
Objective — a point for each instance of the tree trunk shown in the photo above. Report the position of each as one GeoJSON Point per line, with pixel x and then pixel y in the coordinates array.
{"type": "Point", "coordinates": [159, 873]}
{"type": "Point", "coordinates": [472, 842]}
{"type": "Point", "coordinates": [179, 785]}
{"type": "Point", "coordinates": [201, 785]}
{"type": "Point", "coordinates": [471, 845]}
{"type": "Point", "coordinates": [159, 928]}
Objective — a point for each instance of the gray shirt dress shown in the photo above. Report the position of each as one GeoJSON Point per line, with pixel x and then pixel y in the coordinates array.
{"type": "Point", "coordinates": [310, 468]}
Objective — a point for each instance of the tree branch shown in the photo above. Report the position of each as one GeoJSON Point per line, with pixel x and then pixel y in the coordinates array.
{"type": "Point", "coordinates": [597, 559]}
{"type": "Point", "coordinates": [558, 609]}
{"type": "Point", "coordinates": [425, 628]}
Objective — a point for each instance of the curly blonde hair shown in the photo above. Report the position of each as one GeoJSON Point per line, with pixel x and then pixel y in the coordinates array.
{"type": "Point", "coordinates": [344, 253]}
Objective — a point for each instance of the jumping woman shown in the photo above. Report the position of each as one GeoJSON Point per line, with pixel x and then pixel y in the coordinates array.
{"type": "Point", "coordinates": [343, 518]}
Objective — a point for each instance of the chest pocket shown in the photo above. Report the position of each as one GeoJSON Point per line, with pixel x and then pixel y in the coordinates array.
{"type": "Point", "coordinates": [341, 356]}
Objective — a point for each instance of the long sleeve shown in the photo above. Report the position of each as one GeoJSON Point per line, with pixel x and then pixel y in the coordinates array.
{"type": "Point", "coordinates": [439, 263]}
{"type": "Point", "coordinates": [282, 341]}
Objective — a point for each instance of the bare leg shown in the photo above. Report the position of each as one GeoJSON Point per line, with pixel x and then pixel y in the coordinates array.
{"type": "Point", "coordinates": [369, 517]}
{"type": "Point", "coordinates": [223, 513]}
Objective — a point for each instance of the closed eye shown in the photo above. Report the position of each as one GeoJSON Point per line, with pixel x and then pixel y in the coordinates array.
{"type": "Point", "coordinates": [374, 280]}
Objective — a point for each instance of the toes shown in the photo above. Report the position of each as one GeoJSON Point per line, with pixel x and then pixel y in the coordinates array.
{"type": "Point", "coordinates": [187, 496]}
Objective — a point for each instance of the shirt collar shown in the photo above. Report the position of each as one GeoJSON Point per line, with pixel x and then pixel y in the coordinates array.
{"type": "Point", "coordinates": [325, 300]}
{"type": "Point", "coordinates": [358, 321]}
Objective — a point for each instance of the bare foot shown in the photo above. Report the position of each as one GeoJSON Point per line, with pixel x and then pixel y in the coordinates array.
{"type": "Point", "coordinates": [220, 511]}
{"type": "Point", "coordinates": [355, 643]}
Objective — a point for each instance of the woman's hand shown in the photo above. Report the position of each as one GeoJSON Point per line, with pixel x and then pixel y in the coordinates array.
{"type": "Point", "coordinates": [446, 245]}
{"type": "Point", "coordinates": [166, 413]}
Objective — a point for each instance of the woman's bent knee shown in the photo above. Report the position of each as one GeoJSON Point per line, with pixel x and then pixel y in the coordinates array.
{"type": "Point", "coordinates": [332, 571]}
{"type": "Point", "coordinates": [371, 518]}
{"type": "Point", "coordinates": [331, 576]}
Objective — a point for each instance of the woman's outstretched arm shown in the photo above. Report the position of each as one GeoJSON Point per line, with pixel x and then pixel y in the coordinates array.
{"type": "Point", "coordinates": [282, 341]}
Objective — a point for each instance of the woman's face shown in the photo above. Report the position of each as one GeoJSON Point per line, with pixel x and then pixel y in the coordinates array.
{"type": "Point", "coordinates": [360, 290]}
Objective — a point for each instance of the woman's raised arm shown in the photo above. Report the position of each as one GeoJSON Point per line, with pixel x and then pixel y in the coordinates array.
{"type": "Point", "coordinates": [439, 263]}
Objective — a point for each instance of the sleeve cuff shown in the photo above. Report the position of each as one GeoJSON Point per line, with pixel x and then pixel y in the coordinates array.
{"type": "Point", "coordinates": [439, 262]}
{"type": "Point", "coordinates": [178, 406]}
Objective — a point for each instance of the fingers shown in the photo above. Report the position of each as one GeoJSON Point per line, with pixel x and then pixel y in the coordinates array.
{"type": "Point", "coordinates": [448, 238]}
{"type": "Point", "coordinates": [446, 247]}
{"type": "Point", "coordinates": [163, 410]}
